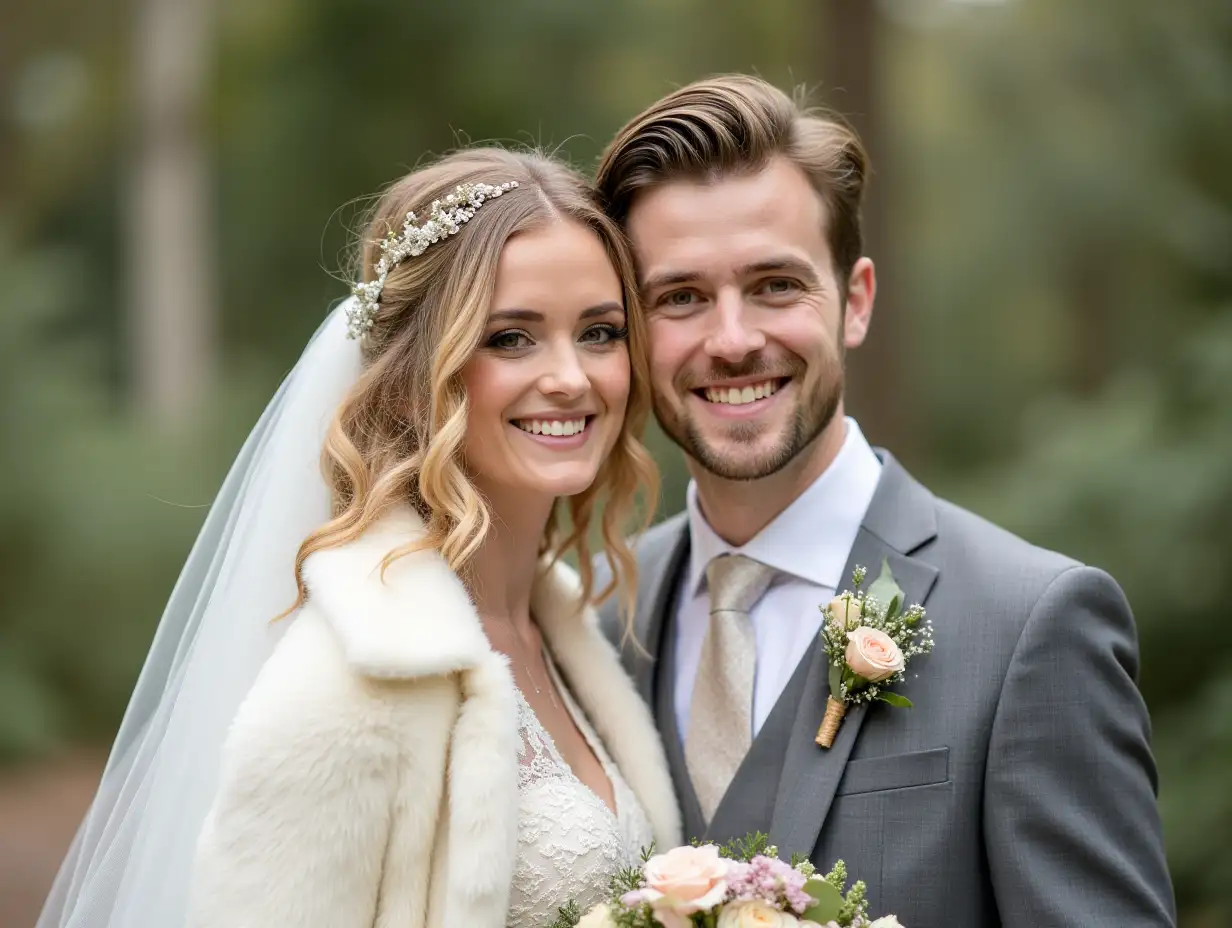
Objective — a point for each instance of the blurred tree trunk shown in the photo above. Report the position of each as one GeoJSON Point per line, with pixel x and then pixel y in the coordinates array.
{"type": "Point", "coordinates": [852, 85]}
{"type": "Point", "coordinates": [170, 228]}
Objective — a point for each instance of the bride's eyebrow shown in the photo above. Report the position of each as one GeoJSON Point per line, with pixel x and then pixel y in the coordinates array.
{"type": "Point", "coordinates": [516, 315]}
{"type": "Point", "coordinates": [532, 315]}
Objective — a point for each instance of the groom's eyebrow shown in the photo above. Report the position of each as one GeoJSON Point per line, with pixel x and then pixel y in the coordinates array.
{"type": "Point", "coordinates": [790, 265]}
{"type": "Point", "coordinates": [786, 264]}
{"type": "Point", "coordinates": [670, 278]}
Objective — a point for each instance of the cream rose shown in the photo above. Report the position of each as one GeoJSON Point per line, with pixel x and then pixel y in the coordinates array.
{"type": "Point", "coordinates": [683, 881]}
{"type": "Point", "coordinates": [873, 654]}
{"type": "Point", "coordinates": [887, 921]}
{"type": "Point", "coordinates": [845, 611]}
{"type": "Point", "coordinates": [598, 917]}
{"type": "Point", "coordinates": [755, 914]}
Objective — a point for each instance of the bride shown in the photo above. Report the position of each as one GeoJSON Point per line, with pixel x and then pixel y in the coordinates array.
{"type": "Point", "coordinates": [437, 733]}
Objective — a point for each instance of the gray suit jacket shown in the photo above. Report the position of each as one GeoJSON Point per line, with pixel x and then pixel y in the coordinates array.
{"type": "Point", "coordinates": [1019, 791]}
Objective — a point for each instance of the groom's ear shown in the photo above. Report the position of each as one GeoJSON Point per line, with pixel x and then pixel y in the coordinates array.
{"type": "Point", "coordinates": [861, 291]}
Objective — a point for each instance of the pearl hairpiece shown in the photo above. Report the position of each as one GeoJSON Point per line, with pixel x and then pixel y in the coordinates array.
{"type": "Point", "coordinates": [445, 218]}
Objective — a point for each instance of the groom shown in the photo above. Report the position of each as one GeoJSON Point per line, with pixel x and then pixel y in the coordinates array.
{"type": "Point", "coordinates": [1020, 789]}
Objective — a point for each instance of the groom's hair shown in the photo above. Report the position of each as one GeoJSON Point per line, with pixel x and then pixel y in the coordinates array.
{"type": "Point", "coordinates": [733, 125]}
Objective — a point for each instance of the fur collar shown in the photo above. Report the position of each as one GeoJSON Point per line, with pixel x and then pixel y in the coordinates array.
{"type": "Point", "coordinates": [418, 621]}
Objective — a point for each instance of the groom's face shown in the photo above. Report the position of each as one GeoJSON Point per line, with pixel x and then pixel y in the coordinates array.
{"type": "Point", "coordinates": [746, 317]}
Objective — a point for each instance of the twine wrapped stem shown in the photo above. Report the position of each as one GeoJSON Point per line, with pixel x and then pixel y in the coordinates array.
{"type": "Point", "coordinates": [835, 710]}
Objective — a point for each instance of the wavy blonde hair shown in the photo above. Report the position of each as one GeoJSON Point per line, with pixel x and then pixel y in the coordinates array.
{"type": "Point", "coordinates": [398, 435]}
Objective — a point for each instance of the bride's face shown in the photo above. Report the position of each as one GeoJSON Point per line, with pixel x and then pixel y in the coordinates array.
{"type": "Point", "coordinates": [548, 385]}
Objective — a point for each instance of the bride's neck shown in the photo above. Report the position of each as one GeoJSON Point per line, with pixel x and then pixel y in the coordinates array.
{"type": "Point", "coordinates": [502, 571]}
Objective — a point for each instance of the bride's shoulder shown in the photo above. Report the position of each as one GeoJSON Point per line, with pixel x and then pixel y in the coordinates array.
{"type": "Point", "coordinates": [308, 689]}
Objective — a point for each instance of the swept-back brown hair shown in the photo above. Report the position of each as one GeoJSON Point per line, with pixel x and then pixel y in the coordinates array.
{"type": "Point", "coordinates": [398, 436]}
{"type": "Point", "coordinates": [731, 125]}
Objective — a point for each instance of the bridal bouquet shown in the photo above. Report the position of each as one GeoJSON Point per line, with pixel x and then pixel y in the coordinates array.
{"type": "Point", "coordinates": [739, 885]}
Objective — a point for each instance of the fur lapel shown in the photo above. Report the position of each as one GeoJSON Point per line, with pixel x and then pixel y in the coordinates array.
{"type": "Point", "coordinates": [419, 621]}
{"type": "Point", "coordinates": [608, 697]}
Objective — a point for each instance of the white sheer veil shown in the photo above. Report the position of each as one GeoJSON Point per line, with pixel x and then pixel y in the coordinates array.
{"type": "Point", "coordinates": [130, 864]}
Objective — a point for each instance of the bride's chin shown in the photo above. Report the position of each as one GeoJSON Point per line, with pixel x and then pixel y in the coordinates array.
{"type": "Point", "coordinates": [560, 485]}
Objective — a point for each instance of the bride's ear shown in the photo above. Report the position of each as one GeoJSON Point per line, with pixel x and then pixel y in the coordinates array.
{"type": "Point", "coordinates": [861, 292]}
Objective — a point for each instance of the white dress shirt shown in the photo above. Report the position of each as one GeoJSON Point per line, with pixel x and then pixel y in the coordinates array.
{"type": "Point", "coordinates": [808, 544]}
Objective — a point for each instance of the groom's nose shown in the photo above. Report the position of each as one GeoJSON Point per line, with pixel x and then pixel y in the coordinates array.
{"type": "Point", "coordinates": [733, 336]}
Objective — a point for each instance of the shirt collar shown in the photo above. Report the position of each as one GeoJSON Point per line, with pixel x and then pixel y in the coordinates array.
{"type": "Point", "coordinates": [810, 539]}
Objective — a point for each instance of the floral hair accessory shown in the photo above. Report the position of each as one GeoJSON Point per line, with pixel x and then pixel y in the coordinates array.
{"type": "Point", "coordinates": [445, 218]}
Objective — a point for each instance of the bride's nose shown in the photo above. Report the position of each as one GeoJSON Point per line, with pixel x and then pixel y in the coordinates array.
{"type": "Point", "coordinates": [563, 374]}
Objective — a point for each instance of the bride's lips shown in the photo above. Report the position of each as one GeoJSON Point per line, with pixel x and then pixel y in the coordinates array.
{"type": "Point", "coordinates": [539, 430]}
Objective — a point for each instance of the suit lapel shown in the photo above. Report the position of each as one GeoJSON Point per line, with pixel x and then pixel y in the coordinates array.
{"type": "Point", "coordinates": [673, 744]}
{"type": "Point", "coordinates": [900, 519]}
{"type": "Point", "coordinates": [661, 571]}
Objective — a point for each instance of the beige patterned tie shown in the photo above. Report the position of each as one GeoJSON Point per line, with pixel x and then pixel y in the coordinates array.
{"type": "Point", "coordinates": [720, 728]}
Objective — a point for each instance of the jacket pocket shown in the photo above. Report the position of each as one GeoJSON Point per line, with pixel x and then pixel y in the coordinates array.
{"type": "Point", "coordinates": [897, 771]}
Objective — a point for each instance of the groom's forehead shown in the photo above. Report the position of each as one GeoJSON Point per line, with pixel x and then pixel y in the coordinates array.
{"type": "Point", "coordinates": [716, 226]}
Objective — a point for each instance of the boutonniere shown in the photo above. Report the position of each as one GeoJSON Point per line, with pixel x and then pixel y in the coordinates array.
{"type": "Point", "coordinates": [869, 639]}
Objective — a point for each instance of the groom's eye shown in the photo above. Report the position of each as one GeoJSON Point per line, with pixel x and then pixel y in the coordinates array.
{"type": "Point", "coordinates": [678, 298]}
{"type": "Point", "coordinates": [779, 286]}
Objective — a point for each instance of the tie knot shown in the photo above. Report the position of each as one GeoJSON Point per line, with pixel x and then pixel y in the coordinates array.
{"type": "Point", "coordinates": [736, 582]}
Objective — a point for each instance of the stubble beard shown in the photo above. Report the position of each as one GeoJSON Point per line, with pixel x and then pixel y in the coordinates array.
{"type": "Point", "coordinates": [813, 412]}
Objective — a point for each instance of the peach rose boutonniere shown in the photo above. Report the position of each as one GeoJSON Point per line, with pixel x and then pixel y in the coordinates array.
{"type": "Point", "coordinates": [869, 639]}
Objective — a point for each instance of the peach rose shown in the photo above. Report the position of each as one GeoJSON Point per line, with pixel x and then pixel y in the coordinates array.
{"type": "Point", "coordinates": [755, 914]}
{"type": "Point", "coordinates": [845, 611]}
{"type": "Point", "coordinates": [683, 881]}
{"type": "Point", "coordinates": [873, 654]}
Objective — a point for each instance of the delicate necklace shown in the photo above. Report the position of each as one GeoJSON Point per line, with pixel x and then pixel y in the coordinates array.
{"type": "Point", "coordinates": [530, 675]}
{"type": "Point", "coordinates": [533, 682]}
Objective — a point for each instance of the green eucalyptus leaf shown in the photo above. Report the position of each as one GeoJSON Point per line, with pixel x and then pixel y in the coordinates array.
{"type": "Point", "coordinates": [828, 905]}
{"type": "Point", "coordinates": [895, 604]}
{"type": "Point", "coordinates": [884, 588]}
{"type": "Point", "coordinates": [894, 699]}
{"type": "Point", "coordinates": [836, 681]}
{"type": "Point", "coordinates": [855, 681]}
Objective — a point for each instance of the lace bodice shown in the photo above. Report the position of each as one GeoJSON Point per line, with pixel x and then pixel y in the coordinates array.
{"type": "Point", "coordinates": [569, 842]}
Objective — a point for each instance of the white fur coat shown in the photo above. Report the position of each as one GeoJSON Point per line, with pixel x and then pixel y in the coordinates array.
{"type": "Point", "coordinates": [370, 777]}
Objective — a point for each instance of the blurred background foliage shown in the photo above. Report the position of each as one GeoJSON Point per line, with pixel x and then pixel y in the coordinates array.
{"type": "Point", "coordinates": [1053, 226]}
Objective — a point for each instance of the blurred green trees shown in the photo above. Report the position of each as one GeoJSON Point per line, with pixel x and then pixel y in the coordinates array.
{"type": "Point", "coordinates": [1059, 206]}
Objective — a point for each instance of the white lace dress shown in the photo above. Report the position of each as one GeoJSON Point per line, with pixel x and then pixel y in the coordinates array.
{"type": "Point", "coordinates": [569, 842]}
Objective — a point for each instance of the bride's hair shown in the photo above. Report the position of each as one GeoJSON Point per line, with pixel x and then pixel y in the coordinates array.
{"type": "Point", "coordinates": [398, 435]}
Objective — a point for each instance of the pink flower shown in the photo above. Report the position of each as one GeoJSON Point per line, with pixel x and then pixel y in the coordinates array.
{"type": "Point", "coordinates": [683, 881]}
{"type": "Point", "coordinates": [873, 654]}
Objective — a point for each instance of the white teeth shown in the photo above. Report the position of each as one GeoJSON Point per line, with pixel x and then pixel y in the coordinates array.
{"type": "Point", "coordinates": [551, 426]}
{"type": "Point", "coordinates": [738, 396]}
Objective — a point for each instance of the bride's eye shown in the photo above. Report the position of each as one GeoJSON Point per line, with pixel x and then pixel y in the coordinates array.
{"type": "Point", "coordinates": [603, 334]}
{"type": "Point", "coordinates": [509, 340]}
